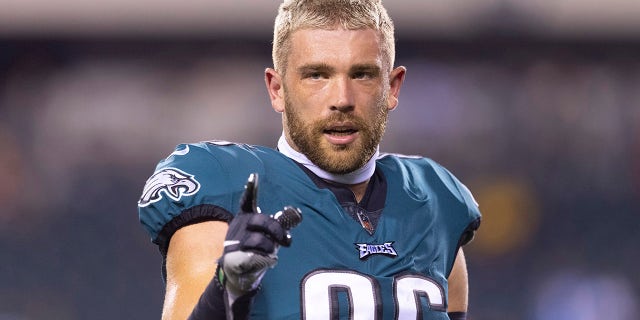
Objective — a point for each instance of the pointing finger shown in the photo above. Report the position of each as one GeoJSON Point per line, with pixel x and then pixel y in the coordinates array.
{"type": "Point", "coordinates": [249, 200]}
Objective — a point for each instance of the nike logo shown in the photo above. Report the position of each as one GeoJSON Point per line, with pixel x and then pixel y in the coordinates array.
{"type": "Point", "coordinates": [231, 242]}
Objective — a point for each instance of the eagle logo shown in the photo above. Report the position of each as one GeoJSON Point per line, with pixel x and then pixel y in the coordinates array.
{"type": "Point", "coordinates": [171, 182]}
{"type": "Point", "coordinates": [367, 250]}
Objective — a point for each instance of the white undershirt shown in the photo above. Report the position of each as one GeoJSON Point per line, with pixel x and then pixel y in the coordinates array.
{"type": "Point", "coordinates": [355, 177]}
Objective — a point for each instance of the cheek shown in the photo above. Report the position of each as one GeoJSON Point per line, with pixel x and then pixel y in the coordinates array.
{"type": "Point", "coordinates": [300, 97]}
{"type": "Point", "coordinates": [313, 97]}
{"type": "Point", "coordinates": [373, 104]}
{"type": "Point", "coordinates": [306, 110]}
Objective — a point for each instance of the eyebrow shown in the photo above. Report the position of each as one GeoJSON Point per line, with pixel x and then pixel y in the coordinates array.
{"type": "Point", "coordinates": [323, 67]}
{"type": "Point", "coordinates": [369, 67]}
{"type": "Point", "coordinates": [315, 67]}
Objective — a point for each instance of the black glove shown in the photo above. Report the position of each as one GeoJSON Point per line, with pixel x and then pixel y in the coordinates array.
{"type": "Point", "coordinates": [252, 242]}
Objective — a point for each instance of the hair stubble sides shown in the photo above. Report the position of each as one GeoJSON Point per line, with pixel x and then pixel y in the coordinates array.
{"type": "Point", "coordinates": [294, 15]}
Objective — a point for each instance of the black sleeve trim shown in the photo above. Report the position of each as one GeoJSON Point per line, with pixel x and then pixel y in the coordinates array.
{"type": "Point", "coordinates": [469, 232]}
{"type": "Point", "coordinates": [466, 237]}
{"type": "Point", "coordinates": [193, 215]}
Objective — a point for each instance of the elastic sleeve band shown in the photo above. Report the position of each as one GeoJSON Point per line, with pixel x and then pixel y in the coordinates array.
{"type": "Point", "coordinates": [193, 215]}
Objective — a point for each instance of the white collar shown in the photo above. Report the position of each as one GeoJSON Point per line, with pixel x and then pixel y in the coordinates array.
{"type": "Point", "coordinates": [355, 177]}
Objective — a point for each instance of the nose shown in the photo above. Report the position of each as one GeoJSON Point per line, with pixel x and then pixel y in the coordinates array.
{"type": "Point", "coordinates": [342, 95]}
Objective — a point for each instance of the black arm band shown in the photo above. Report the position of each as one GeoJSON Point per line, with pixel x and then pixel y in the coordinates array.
{"type": "Point", "coordinates": [457, 315]}
{"type": "Point", "coordinates": [242, 306]}
{"type": "Point", "coordinates": [213, 303]}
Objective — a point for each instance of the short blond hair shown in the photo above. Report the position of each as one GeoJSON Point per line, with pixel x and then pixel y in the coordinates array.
{"type": "Point", "coordinates": [294, 15]}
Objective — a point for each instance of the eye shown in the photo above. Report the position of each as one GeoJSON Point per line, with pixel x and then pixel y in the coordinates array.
{"type": "Point", "coordinates": [363, 75]}
{"type": "Point", "coordinates": [315, 75]}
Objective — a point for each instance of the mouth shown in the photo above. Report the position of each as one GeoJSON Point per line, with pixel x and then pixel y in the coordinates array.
{"type": "Point", "coordinates": [340, 130]}
{"type": "Point", "coordinates": [341, 134]}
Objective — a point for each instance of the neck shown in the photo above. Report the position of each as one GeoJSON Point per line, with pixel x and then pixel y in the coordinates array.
{"type": "Point", "coordinates": [356, 180]}
{"type": "Point", "coordinates": [359, 190]}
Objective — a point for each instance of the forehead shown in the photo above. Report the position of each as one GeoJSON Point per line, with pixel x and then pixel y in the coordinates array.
{"type": "Point", "coordinates": [335, 47]}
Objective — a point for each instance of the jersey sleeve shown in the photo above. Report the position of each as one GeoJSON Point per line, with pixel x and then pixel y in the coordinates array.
{"type": "Point", "coordinates": [189, 186]}
{"type": "Point", "coordinates": [463, 194]}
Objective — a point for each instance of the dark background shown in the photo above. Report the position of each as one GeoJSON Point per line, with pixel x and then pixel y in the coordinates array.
{"type": "Point", "coordinates": [539, 118]}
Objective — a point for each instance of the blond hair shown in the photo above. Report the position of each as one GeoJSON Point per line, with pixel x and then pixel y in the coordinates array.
{"type": "Point", "coordinates": [294, 15]}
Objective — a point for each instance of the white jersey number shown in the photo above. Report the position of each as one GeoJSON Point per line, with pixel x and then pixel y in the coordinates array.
{"type": "Point", "coordinates": [320, 289]}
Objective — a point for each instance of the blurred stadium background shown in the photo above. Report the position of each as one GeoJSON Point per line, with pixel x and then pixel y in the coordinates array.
{"type": "Point", "coordinates": [534, 104]}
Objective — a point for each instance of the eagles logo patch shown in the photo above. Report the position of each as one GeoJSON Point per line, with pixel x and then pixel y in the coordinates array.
{"type": "Point", "coordinates": [171, 182]}
{"type": "Point", "coordinates": [367, 250]}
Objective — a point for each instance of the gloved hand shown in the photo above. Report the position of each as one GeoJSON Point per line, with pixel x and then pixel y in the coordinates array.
{"type": "Point", "coordinates": [252, 243]}
{"type": "Point", "coordinates": [250, 249]}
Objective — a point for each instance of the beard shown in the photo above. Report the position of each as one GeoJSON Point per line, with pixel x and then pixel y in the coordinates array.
{"type": "Point", "coordinates": [308, 137]}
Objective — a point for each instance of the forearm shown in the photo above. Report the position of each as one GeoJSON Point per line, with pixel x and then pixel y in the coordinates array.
{"type": "Point", "coordinates": [181, 296]}
{"type": "Point", "coordinates": [190, 266]}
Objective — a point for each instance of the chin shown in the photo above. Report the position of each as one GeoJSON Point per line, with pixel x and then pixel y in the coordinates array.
{"type": "Point", "coordinates": [341, 162]}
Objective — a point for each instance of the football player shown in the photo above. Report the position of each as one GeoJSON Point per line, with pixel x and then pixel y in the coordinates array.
{"type": "Point", "coordinates": [366, 235]}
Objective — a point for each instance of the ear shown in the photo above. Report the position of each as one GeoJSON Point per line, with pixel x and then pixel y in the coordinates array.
{"type": "Point", "coordinates": [396, 78]}
{"type": "Point", "coordinates": [273, 80]}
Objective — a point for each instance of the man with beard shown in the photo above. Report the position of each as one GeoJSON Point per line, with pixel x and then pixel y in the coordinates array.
{"type": "Point", "coordinates": [381, 234]}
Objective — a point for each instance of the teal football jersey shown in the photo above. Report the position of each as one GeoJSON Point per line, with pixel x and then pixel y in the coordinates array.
{"type": "Point", "coordinates": [338, 266]}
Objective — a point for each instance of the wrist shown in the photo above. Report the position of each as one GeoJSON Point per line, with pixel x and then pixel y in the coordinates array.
{"type": "Point", "coordinates": [241, 272]}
